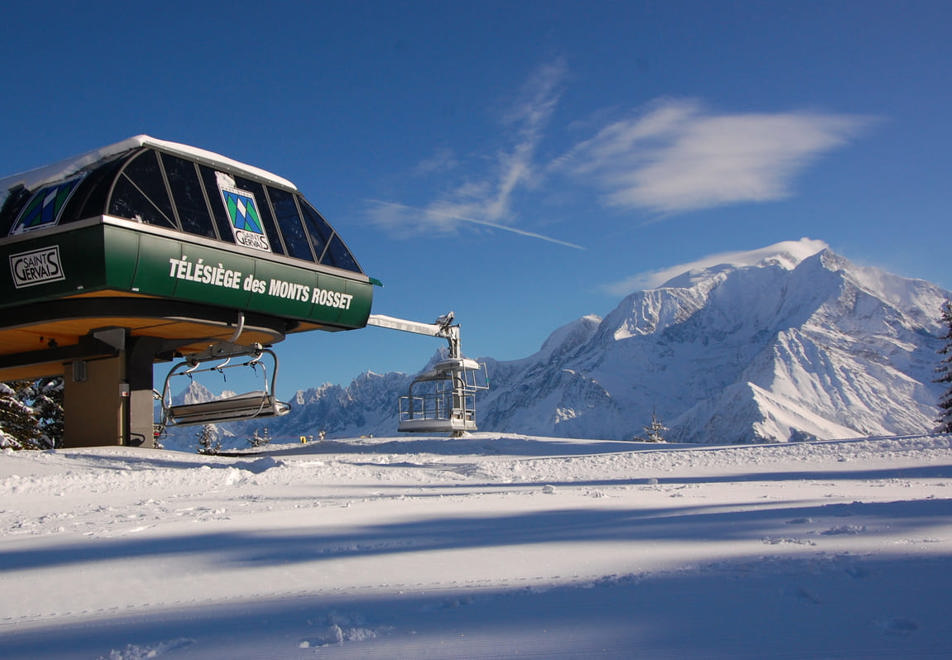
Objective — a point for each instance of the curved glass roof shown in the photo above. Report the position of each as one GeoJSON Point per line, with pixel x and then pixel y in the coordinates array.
{"type": "Point", "coordinates": [177, 188]}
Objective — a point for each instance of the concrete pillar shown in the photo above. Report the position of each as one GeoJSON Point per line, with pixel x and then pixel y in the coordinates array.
{"type": "Point", "coordinates": [141, 403]}
{"type": "Point", "coordinates": [93, 410]}
{"type": "Point", "coordinates": [109, 401]}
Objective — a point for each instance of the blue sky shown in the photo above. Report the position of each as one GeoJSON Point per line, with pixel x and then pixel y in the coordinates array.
{"type": "Point", "coordinates": [521, 163]}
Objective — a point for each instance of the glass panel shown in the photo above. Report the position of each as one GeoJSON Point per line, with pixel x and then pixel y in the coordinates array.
{"type": "Point", "coordinates": [317, 228]}
{"type": "Point", "coordinates": [90, 198]}
{"type": "Point", "coordinates": [188, 196]}
{"type": "Point", "coordinates": [269, 227]}
{"type": "Point", "coordinates": [144, 172]}
{"type": "Point", "coordinates": [294, 237]}
{"type": "Point", "coordinates": [44, 208]}
{"type": "Point", "coordinates": [129, 202]}
{"type": "Point", "coordinates": [218, 209]}
{"type": "Point", "coordinates": [11, 208]}
{"type": "Point", "coordinates": [338, 255]}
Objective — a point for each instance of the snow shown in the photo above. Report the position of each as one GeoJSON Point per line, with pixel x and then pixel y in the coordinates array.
{"type": "Point", "coordinates": [62, 170]}
{"type": "Point", "coordinates": [785, 254]}
{"type": "Point", "coordinates": [494, 545]}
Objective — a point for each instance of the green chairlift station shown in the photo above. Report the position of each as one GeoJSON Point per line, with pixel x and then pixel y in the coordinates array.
{"type": "Point", "coordinates": [149, 251]}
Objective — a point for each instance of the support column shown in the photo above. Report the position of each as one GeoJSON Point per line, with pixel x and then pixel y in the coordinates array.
{"type": "Point", "coordinates": [93, 412]}
{"type": "Point", "coordinates": [109, 401]}
{"type": "Point", "coordinates": [141, 403]}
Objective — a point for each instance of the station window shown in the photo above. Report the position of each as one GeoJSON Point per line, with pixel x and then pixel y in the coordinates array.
{"type": "Point", "coordinates": [264, 209]}
{"type": "Point", "coordinates": [140, 193]}
{"type": "Point", "coordinates": [45, 206]}
{"type": "Point", "coordinates": [338, 255]}
{"type": "Point", "coordinates": [90, 198]}
{"type": "Point", "coordinates": [11, 208]}
{"type": "Point", "coordinates": [290, 222]}
{"type": "Point", "coordinates": [317, 227]}
{"type": "Point", "coordinates": [188, 195]}
{"type": "Point", "coordinates": [327, 243]}
{"type": "Point", "coordinates": [218, 210]}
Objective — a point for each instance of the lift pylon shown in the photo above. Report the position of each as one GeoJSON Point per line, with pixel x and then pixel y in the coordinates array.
{"type": "Point", "coordinates": [443, 398]}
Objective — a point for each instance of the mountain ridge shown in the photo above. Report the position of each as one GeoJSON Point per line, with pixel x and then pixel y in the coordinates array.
{"type": "Point", "coordinates": [787, 342]}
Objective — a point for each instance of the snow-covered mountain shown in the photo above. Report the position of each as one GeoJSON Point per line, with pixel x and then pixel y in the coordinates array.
{"type": "Point", "coordinates": [783, 343]}
{"type": "Point", "coordinates": [784, 346]}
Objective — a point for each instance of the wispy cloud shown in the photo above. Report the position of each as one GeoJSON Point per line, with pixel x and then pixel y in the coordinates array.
{"type": "Point", "coordinates": [394, 213]}
{"type": "Point", "coordinates": [487, 200]}
{"type": "Point", "coordinates": [677, 157]}
{"type": "Point", "coordinates": [442, 160]}
{"type": "Point", "coordinates": [671, 157]}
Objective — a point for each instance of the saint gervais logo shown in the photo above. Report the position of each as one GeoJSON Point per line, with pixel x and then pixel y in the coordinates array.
{"type": "Point", "coordinates": [36, 267]}
{"type": "Point", "coordinates": [45, 207]}
{"type": "Point", "coordinates": [244, 219]}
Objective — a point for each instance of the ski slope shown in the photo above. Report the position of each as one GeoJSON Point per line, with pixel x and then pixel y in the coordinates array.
{"type": "Point", "coordinates": [484, 547]}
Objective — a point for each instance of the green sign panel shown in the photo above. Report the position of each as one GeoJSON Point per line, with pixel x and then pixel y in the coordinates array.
{"type": "Point", "coordinates": [108, 257]}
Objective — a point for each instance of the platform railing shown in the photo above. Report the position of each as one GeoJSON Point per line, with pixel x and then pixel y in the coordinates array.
{"type": "Point", "coordinates": [436, 406]}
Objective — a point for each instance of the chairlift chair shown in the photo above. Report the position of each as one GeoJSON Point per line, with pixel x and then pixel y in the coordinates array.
{"type": "Point", "coordinates": [250, 405]}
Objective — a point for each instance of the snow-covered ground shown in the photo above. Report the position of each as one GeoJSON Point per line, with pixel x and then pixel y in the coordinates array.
{"type": "Point", "coordinates": [487, 546]}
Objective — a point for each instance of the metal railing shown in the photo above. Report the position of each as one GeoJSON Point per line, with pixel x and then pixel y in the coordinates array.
{"type": "Point", "coordinates": [436, 406]}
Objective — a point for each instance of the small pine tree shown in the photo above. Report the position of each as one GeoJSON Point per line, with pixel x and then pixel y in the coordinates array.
{"type": "Point", "coordinates": [945, 372]}
{"type": "Point", "coordinates": [208, 441]}
{"type": "Point", "coordinates": [654, 431]}
{"type": "Point", "coordinates": [260, 440]}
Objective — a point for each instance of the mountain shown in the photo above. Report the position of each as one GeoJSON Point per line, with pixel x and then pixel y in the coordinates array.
{"type": "Point", "coordinates": [787, 342]}
{"type": "Point", "coordinates": [784, 347]}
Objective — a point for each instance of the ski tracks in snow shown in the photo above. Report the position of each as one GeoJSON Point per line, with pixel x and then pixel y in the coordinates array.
{"type": "Point", "coordinates": [834, 549]}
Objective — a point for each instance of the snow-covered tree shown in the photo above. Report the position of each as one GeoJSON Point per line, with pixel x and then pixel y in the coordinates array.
{"type": "Point", "coordinates": [260, 439]}
{"type": "Point", "coordinates": [654, 431]}
{"type": "Point", "coordinates": [18, 427]}
{"type": "Point", "coordinates": [945, 372]}
{"type": "Point", "coordinates": [208, 440]}
{"type": "Point", "coordinates": [48, 406]}
{"type": "Point", "coordinates": [31, 413]}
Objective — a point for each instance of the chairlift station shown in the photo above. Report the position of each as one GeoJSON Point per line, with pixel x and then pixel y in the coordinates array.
{"type": "Point", "coordinates": [146, 251]}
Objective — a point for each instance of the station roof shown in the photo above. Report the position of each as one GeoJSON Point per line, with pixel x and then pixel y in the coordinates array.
{"type": "Point", "coordinates": [175, 246]}
{"type": "Point", "coordinates": [178, 188]}
{"type": "Point", "coordinates": [64, 169]}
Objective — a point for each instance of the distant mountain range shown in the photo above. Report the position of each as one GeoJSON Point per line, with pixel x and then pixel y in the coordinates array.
{"type": "Point", "coordinates": [787, 342]}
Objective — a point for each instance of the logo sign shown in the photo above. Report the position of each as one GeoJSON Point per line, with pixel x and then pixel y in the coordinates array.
{"type": "Point", "coordinates": [45, 207]}
{"type": "Point", "coordinates": [36, 267]}
{"type": "Point", "coordinates": [244, 218]}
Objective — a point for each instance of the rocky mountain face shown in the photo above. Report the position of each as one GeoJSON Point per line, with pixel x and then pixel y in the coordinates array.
{"type": "Point", "coordinates": [783, 345]}
{"type": "Point", "coordinates": [779, 350]}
